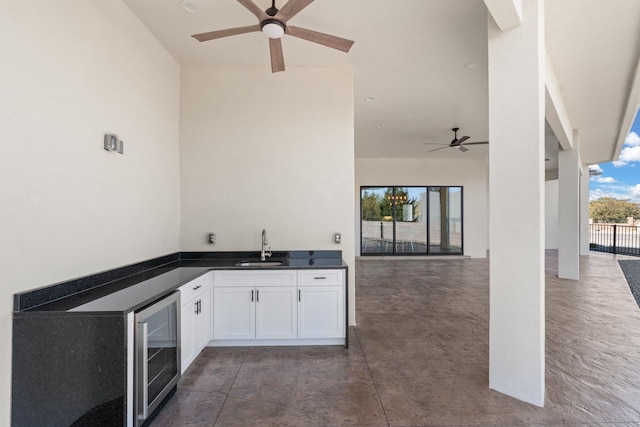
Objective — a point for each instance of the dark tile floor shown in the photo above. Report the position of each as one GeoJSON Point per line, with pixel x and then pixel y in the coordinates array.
{"type": "Point", "coordinates": [419, 357]}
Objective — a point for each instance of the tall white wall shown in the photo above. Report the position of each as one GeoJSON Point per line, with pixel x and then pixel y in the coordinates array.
{"type": "Point", "coordinates": [469, 174]}
{"type": "Point", "coordinates": [551, 214]}
{"type": "Point", "coordinates": [273, 151]}
{"type": "Point", "coordinates": [71, 71]}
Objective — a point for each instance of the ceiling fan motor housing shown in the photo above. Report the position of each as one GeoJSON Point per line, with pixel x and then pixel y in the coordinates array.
{"type": "Point", "coordinates": [273, 9]}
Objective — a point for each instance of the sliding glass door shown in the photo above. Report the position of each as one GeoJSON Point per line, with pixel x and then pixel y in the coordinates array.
{"type": "Point", "coordinates": [411, 220]}
{"type": "Point", "coordinates": [445, 220]}
{"type": "Point", "coordinates": [377, 220]}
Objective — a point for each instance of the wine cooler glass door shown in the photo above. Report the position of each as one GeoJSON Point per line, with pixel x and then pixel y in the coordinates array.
{"type": "Point", "coordinates": [157, 343]}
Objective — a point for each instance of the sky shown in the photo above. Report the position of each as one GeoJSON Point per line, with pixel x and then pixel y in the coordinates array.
{"type": "Point", "coordinates": [620, 179]}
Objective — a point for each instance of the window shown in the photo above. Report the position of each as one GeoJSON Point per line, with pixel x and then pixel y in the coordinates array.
{"type": "Point", "coordinates": [411, 220]}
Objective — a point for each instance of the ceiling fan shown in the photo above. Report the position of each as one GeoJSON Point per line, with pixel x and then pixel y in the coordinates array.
{"type": "Point", "coordinates": [456, 143]}
{"type": "Point", "coordinates": [273, 23]}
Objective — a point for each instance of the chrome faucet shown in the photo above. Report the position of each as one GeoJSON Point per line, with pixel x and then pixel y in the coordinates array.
{"type": "Point", "coordinates": [264, 254]}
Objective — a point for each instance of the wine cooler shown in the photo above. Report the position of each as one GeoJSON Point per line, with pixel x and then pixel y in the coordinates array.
{"type": "Point", "coordinates": [157, 359]}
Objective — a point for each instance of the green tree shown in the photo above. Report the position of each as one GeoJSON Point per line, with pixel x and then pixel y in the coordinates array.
{"type": "Point", "coordinates": [386, 203]}
{"type": "Point", "coordinates": [371, 206]}
{"type": "Point", "coordinates": [613, 211]}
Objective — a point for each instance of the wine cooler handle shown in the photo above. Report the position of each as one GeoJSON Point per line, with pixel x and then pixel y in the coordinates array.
{"type": "Point", "coordinates": [144, 372]}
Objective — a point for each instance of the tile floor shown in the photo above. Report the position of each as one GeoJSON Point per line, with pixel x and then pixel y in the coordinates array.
{"type": "Point", "coordinates": [419, 357]}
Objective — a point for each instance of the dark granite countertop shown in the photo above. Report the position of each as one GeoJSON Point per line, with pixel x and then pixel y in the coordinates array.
{"type": "Point", "coordinates": [132, 287]}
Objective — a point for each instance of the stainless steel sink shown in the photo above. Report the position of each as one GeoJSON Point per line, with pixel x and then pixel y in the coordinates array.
{"type": "Point", "coordinates": [259, 264]}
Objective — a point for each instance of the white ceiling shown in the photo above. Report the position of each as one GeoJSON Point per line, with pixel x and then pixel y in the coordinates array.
{"type": "Point", "coordinates": [424, 63]}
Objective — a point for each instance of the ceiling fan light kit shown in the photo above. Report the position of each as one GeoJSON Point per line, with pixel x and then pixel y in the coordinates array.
{"type": "Point", "coordinates": [272, 28]}
{"type": "Point", "coordinates": [273, 23]}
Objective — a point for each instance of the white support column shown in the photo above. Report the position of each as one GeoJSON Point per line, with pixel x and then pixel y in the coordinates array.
{"type": "Point", "coordinates": [516, 156]}
{"type": "Point", "coordinates": [585, 235]}
{"type": "Point", "coordinates": [569, 211]}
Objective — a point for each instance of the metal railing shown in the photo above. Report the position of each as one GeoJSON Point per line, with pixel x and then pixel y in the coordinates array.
{"type": "Point", "coordinates": [615, 238]}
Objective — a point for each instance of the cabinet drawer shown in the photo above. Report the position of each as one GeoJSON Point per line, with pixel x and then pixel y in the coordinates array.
{"type": "Point", "coordinates": [319, 277]}
{"type": "Point", "coordinates": [254, 278]}
{"type": "Point", "coordinates": [193, 288]}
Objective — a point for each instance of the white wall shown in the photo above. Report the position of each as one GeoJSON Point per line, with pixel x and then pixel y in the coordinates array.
{"type": "Point", "coordinates": [72, 70]}
{"type": "Point", "coordinates": [469, 174]}
{"type": "Point", "coordinates": [273, 151]}
{"type": "Point", "coordinates": [551, 214]}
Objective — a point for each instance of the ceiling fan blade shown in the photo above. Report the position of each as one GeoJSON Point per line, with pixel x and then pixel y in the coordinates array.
{"type": "Point", "coordinates": [464, 150]}
{"type": "Point", "coordinates": [203, 37]}
{"type": "Point", "coordinates": [277, 58]}
{"type": "Point", "coordinates": [436, 149]}
{"type": "Point", "coordinates": [436, 143]}
{"type": "Point", "coordinates": [320, 38]}
{"type": "Point", "coordinates": [255, 9]}
{"type": "Point", "coordinates": [461, 140]}
{"type": "Point", "coordinates": [291, 9]}
{"type": "Point", "coordinates": [477, 143]}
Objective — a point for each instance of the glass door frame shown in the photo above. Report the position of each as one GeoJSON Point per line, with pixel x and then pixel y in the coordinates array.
{"type": "Point", "coordinates": [394, 249]}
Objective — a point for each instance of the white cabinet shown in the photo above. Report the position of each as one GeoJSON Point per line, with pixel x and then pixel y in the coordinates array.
{"type": "Point", "coordinates": [234, 313]}
{"type": "Point", "coordinates": [278, 307]}
{"type": "Point", "coordinates": [256, 304]}
{"type": "Point", "coordinates": [276, 312]}
{"type": "Point", "coordinates": [195, 318]}
{"type": "Point", "coordinates": [321, 308]}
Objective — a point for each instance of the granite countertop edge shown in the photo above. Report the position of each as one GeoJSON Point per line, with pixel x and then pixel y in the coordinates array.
{"type": "Point", "coordinates": [166, 278]}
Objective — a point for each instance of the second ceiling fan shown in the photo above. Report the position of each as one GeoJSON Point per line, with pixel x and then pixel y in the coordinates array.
{"type": "Point", "coordinates": [273, 22]}
{"type": "Point", "coordinates": [458, 143]}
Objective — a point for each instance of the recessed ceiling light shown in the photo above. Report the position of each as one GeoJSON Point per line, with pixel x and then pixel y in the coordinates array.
{"type": "Point", "coordinates": [189, 6]}
{"type": "Point", "coordinates": [379, 125]}
{"type": "Point", "coordinates": [471, 65]}
{"type": "Point", "coordinates": [369, 98]}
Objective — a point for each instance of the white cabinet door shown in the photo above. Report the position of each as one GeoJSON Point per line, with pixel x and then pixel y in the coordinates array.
{"type": "Point", "coordinates": [276, 312]}
{"type": "Point", "coordinates": [234, 316]}
{"type": "Point", "coordinates": [195, 319]}
{"type": "Point", "coordinates": [201, 329]}
{"type": "Point", "coordinates": [187, 320]}
{"type": "Point", "coordinates": [321, 312]}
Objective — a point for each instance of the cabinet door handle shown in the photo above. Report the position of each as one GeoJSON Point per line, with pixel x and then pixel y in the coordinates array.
{"type": "Point", "coordinates": [195, 288]}
{"type": "Point", "coordinates": [199, 306]}
{"type": "Point", "coordinates": [251, 295]}
{"type": "Point", "coordinates": [257, 296]}
{"type": "Point", "coordinates": [196, 307]}
{"type": "Point", "coordinates": [299, 295]}
{"type": "Point", "coordinates": [319, 278]}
